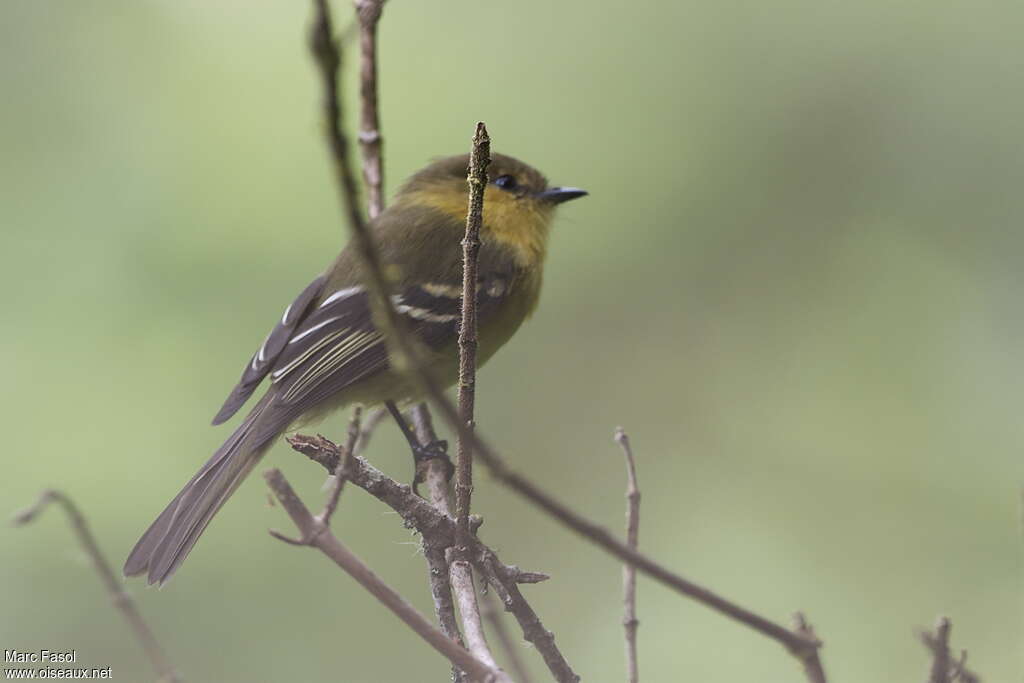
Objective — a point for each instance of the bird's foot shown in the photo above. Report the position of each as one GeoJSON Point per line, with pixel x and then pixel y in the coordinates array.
{"type": "Point", "coordinates": [424, 455]}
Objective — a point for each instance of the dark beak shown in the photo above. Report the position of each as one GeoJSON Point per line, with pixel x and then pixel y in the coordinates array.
{"type": "Point", "coordinates": [557, 195]}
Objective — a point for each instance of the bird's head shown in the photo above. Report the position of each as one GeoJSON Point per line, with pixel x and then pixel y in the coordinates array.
{"type": "Point", "coordinates": [518, 202]}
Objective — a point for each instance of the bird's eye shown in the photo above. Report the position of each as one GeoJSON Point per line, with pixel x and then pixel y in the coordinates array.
{"type": "Point", "coordinates": [505, 182]}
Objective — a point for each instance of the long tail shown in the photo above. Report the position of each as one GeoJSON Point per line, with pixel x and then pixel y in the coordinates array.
{"type": "Point", "coordinates": [169, 539]}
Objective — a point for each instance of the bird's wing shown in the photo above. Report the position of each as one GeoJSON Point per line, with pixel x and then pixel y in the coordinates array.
{"type": "Point", "coordinates": [263, 360]}
{"type": "Point", "coordinates": [337, 344]}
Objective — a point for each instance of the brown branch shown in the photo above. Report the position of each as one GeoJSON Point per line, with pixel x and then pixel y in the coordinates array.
{"type": "Point", "coordinates": [405, 353]}
{"type": "Point", "coordinates": [315, 534]}
{"type": "Point", "coordinates": [370, 141]}
{"type": "Point", "coordinates": [341, 471]}
{"type": "Point", "coordinates": [439, 529]}
{"type": "Point", "coordinates": [940, 653]}
{"type": "Point", "coordinates": [328, 59]}
{"type": "Point", "coordinates": [492, 615]}
{"type": "Point", "coordinates": [479, 160]}
{"type": "Point", "coordinates": [944, 668]}
{"type": "Point", "coordinates": [370, 424]}
{"type": "Point", "coordinates": [436, 479]}
{"type": "Point", "coordinates": [505, 581]}
{"type": "Point", "coordinates": [461, 575]}
{"type": "Point", "coordinates": [629, 621]}
{"type": "Point", "coordinates": [799, 645]}
{"type": "Point", "coordinates": [368, 14]}
{"type": "Point", "coordinates": [810, 660]}
{"type": "Point", "coordinates": [121, 599]}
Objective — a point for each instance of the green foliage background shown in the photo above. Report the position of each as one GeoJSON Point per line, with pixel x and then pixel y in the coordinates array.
{"type": "Point", "coordinates": [797, 283]}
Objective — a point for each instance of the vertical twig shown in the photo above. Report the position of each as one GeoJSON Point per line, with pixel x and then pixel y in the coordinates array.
{"type": "Point", "coordinates": [121, 599]}
{"type": "Point", "coordinates": [328, 59]}
{"type": "Point", "coordinates": [629, 621]}
{"type": "Point", "coordinates": [940, 653]}
{"type": "Point", "coordinates": [403, 350]}
{"type": "Point", "coordinates": [460, 571]}
{"type": "Point", "coordinates": [479, 159]}
{"type": "Point", "coordinates": [370, 140]}
{"type": "Point", "coordinates": [341, 472]}
{"type": "Point", "coordinates": [472, 625]}
{"type": "Point", "coordinates": [313, 533]}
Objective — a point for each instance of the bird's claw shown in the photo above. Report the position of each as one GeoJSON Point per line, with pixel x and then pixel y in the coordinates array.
{"type": "Point", "coordinates": [423, 455]}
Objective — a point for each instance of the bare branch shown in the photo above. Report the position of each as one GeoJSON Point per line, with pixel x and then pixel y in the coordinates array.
{"type": "Point", "coordinates": [436, 479]}
{"type": "Point", "coordinates": [115, 587]}
{"type": "Point", "coordinates": [798, 644]}
{"type": "Point", "coordinates": [370, 140]}
{"type": "Point", "coordinates": [629, 621]}
{"type": "Point", "coordinates": [439, 530]}
{"type": "Point", "coordinates": [940, 652]}
{"type": "Point", "coordinates": [479, 160]}
{"type": "Point", "coordinates": [472, 625]}
{"type": "Point", "coordinates": [813, 669]}
{"type": "Point", "coordinates": [341, 472]}
{"type": "Point", "coordinates": [370, 424]}
{"type": "Point", "coordinates": [328, 59]}
{"type": "Point", "coordinates": [406, 356]}
{"type": "Point", "coordinates": [492, 615]}
{"type": "Point", "coordinates": [944, 668]}
{"type": "Point", "coordinates": [441, 592]}
{"type": "Point", "coordinates": [315, 534]}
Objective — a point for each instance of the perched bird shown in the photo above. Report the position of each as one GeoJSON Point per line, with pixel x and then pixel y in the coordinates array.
{"type": "Point", "coordinates": [326, 353]}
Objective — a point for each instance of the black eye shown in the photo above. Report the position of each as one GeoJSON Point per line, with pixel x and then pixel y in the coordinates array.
{"type": "Point", "coordinates": [505, 182]}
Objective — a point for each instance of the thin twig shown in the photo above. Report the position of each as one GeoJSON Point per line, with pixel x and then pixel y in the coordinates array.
{"type": "Point", "coordinates": [629, 621]}
{"type": "Point", "coordinates": [370, 424]}
{"type": "Point", "coordinates": [328, 59]}
{"type": "Point", "coordinates": [479, 160]}
{"type": "Point", "coordinates": [945, 669]}
{"type": "Point", "coordinates": [314, 534]}
{"type": "Point", "coordinates": [439, 530]}
{"type": "Point", "coordinates": [813, 669]}
{"type": "Point", "coordinates": [341, 472]}
{"type": "Point", "coordinates": [461, 575]}
{"type": "Point", "coordinates": [370, 140]}
{"type": "Point", "coordinates": [121, 599]}
{"type": "Point", "coordinates": [492, 615]}
{"type": "Point", "coordinates": [797, 644]}
{"type": "Point", "coordinates": [940, 653]}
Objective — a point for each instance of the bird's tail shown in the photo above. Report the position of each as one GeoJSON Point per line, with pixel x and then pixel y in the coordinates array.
{"type": "Point", "coordinates": [169, 539]}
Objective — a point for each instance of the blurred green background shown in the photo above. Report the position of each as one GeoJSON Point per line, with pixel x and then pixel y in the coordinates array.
{"type": "Point", "coordinates": [796, 283]}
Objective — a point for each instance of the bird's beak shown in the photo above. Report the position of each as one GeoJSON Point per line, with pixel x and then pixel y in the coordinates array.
{"type": "Point", "coordinates": [557, 195]}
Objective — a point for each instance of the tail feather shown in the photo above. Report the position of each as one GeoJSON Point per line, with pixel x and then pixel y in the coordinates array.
{"type": "Point", "coordinates": [169, 539]}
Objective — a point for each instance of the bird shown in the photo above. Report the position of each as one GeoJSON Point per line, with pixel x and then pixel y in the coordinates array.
{"type": "Point", "coordinates": [326, 353]}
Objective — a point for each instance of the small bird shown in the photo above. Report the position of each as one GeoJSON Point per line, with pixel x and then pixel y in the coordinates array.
{"type": "Point", "coordinates": [326, 353]}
